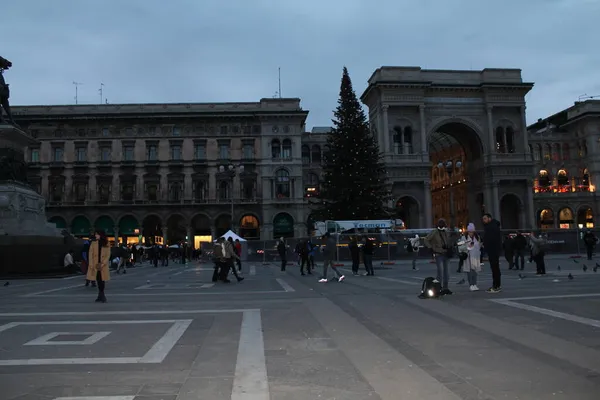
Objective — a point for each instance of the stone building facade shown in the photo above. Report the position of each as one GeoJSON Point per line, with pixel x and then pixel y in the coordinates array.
{"type": "Point", "coordinates": [426, 117]}
{"type": "Point", "coordinates": [565, 147]}
{"type": "Point", "coordinates": [171, 171]}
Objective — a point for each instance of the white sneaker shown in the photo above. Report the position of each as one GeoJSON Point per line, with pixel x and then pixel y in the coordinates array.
{"type": "Point", "coordinates": [474, 288]}
{"type": "Point", "coordinates": [322, 280]}
{"type": "Point", "coordinates": [341, 278]}
{"type": "Point", "coordinates": [471, 288]}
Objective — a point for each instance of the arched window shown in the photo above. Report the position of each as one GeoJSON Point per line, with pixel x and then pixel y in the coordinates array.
{"type": "Point", "coordinates": [546, 219]}
{"type": "Point", "coordinates": [565, 152]}
{"type": "Point", "coordinates": [562, 177]}
{"type": "Point", "coordinates": [544, 178]}
{"type": "Point", "coordinates": [305, 154]}
{"type": "Point", "coordinates": [565, 218]}
{"type": "Point", "coordinates": [408, 140]}
{"type": "Point", "coordinates": [311, 187]}
{"type": "Point", "coordinates": [585, 179]}
{"type": "Point", "coordinates": [316, 154]}
{"type": "Point", "coordinates": [398, 140]}
{"type": "Point", "coordinates": [286, 152]}
{"type": "Point", "coordinates": [547, 151]}
{"type": "Point", "coordinates": [223, 190]}
{"type": "Point", "coordinates": [556, 152]}
{"type": "Point", "coordinates": [175, 191]}
{"type": "Point", "coordinates": [282, 184]}
{"type": "Point", "coordinates": [510, 139]}
{"type": "Point", "coordinates": [500, 144]}
{"type": "Point", "coordinates": [275, 149]}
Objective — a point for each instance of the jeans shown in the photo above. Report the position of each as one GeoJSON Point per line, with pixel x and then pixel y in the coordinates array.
{"type": "Point", "coordinates": [368, 260]}
{"type": "Point", "coordinates": [472, 277]}
{"type": "Point", "coordinates": [283, 263]}
{"type": "Point", "coordinates": [590, 252]}
{"type": "Point", "coordinates": [355, 263]}
{"type": "Point", "coordinates": [441, 262]}
{"type": "Point", "coordinates": [494, 260]}
{"type": "Point", "coordinates": [540, 263]}
{"type": "Point", "coordinates": [100, 285]}
{"type": "Point", "coordinates": [519, 255]}
{"type": "Point", "coordinates": [327, 263]}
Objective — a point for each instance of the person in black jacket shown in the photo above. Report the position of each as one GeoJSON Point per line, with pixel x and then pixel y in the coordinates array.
{"type": "Point", "coordinates": [354, 254]}
{"type": "Point", "coordinates": [520, 245]}
{"type": "Point", "coordinates": [492, 242]}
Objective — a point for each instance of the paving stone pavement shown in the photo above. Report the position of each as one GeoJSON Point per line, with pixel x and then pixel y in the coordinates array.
{"type": "Point", "coordinates": [171, 334]}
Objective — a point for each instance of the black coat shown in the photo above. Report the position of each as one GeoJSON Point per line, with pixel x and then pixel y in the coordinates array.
{"type": "Point", "coordinates": [492, 238]}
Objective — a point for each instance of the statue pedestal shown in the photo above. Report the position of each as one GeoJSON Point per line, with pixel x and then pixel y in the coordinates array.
{"type": "Point", "coordinates": [29, 244]}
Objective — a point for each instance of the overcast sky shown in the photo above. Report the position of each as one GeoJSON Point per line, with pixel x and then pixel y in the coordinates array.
{"type": "Point", "coordinates": [230, 50]}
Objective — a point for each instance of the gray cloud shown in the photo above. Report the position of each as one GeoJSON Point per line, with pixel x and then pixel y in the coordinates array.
{"type": "Point", "coordinates": [229, 50]}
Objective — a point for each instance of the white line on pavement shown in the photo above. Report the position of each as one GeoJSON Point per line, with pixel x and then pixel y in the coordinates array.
{"type": "Point", "coordinates": [556, 296]}
{"type": "Point", "coordinates": [97, 398]}
{"type": "Point", "coordinates": [285, 285]}
{"type": "Point", "coordinates": [551, 313]}
{"type": "Point", "coordinates": [52, 290]}
{"type": "Point", "coordinates": [250, 381]}
{"type": "Point", "coordinates": [148, 312]}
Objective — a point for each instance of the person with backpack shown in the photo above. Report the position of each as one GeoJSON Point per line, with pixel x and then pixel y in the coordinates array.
{"type": "Point", "coordinates": [439, 242]}
{"type": "Point", "coordinates": [520, 245]}
{"type": "Point", "coordinates": [590, 240]}
{"type": "Point", "coordinates": [492, 243]}
{"type": "Point", "coordinates": [538, 252]}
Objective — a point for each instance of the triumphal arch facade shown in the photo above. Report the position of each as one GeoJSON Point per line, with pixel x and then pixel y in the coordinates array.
{"type": "Point", "coordinates": [454, 143]}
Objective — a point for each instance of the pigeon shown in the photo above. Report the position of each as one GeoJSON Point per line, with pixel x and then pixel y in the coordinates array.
{"type": "Point", "coordinates": [521, 276]}
{"type": "Point", "coordinates": [570, 277]}
{"type": "Point", "coordinates": [597, 265]}
{"type": "Point", "coordinates": [460, 282]}
{"type": "Point", "coordinates": [575, 261]}
{"type": "Point", "coordinates": [558, 268]}
{"type": "Point", "coordinates": [584, 268]}
{"type": "Point", "coordinates": [7, 283]}
{"type": "Point", "coordinates": [596, 268]}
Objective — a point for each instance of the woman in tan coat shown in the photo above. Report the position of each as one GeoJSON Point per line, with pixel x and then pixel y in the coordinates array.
{"type": "Point", "coordinates": [99, 259]}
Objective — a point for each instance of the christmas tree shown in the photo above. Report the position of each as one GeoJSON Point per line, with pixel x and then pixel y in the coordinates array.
{"type": "Point", "coordinates": [354, 177]}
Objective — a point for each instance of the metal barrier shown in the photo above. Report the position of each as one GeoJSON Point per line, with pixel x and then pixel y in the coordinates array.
{"type": "Point", "coordinates": [388, 247]}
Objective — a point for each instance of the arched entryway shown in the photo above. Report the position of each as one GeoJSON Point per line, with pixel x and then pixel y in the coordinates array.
{"type": "Point", "coordinates": [585, 217]}
{"type": "Point", "coordinates": [545, 219]}
{"type": "Point", "coordinates": [407, 209]}
{"type": "Point", "coordinates": [81, 226]}
{"type": "Point", "coordinates": [152, 229]}
{"type": "Point", "coordinates": [129, 229]}
{"type": "Point", "coordinates": [176, 229]}
{"type": "Point", "coordinates": [283, 226]}
{"type": "Point", "coordinates": [60, 222]}
{"type": "Point", "coordinates": [566, 219]}
{"type": "Point", "coordinates": [106, 224]}
{"type": "Point", "coordinates": [222, 224]}
{"type": "Point", "coordinates": [510, 212]}
{"type": "Point", "coordinates": [249, 227]}
{"type": "Point", "coordinates": [456, 154]}
{"type": "Point", "coordinates": [201, 232]}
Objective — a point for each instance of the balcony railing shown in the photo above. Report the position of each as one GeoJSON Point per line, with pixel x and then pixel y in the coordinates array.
{"type": "Point", "coordinates": [563, 189]}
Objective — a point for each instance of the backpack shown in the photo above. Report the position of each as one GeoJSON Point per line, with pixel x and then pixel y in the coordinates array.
{"type": "Point", "coordinates": [218, 252]}
{"type": "Point", "coordinates": [430, 289]}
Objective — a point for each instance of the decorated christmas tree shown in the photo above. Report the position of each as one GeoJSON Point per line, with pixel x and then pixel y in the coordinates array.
{"type": "Point", "coordinates": [354, 177]}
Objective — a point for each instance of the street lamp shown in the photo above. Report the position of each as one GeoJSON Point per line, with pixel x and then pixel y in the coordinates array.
{"type": "Point", "coordinates": [449, 166]}
{"type": "Point", "coordinates": [232, 170]}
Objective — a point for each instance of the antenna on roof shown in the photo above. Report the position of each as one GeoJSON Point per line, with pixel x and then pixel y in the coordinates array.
{"type": "Point", "coordinates": [100, 91]}
{"type": "Point", "coordinates": [76, 90]}
{"type": "Point", "coordinates": [279, 79]}
{"type": "Point", "coordinates": [586, 97]}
